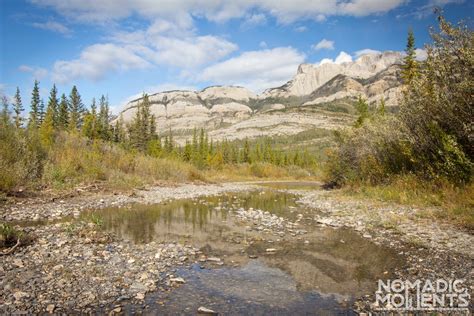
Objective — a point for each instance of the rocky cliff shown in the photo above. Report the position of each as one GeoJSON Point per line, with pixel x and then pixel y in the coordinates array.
{"type": "Point", "coordinates": [327, 86]}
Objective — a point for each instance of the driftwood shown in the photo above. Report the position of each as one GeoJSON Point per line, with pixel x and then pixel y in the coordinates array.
{"type": "Point", "coordinates": [10, 250]}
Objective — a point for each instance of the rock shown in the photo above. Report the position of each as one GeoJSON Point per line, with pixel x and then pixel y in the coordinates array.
{"type": "Point", "coordinates": [140, 296]}
{"type": "Point", "coordinates": [50, 308]}
{"type": "Point", "coordinates": [270, 250]}
{"type": "Point", "coordinates": [207, 311]}
{"type": "Point", "coordinates": [253, 256]}
{"type": "Point", "coordinates": [367, 236]}
{"type": "Point", "coordinates": [213, 259]}
{"type": "Point", "coordinates": [177, 280]}
{"type": "Point", "coordinates": [18, 295]}
{"type": "Point", "coordinates": [18, 263]}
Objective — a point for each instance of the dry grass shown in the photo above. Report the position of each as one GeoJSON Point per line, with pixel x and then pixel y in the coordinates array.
{"type": "Point", "coordinates": [256, 171]}
{"type": "Point", "coordinates": [452, 203]}
{"type": "Point", "coordinates": [75, 160]}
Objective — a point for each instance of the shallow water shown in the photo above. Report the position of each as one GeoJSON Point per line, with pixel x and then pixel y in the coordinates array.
{"type": "Point", "coordinates": [320, 272]}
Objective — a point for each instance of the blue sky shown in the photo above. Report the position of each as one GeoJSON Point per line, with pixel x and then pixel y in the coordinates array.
{"type": "Point", "coordinates": [124, 47]}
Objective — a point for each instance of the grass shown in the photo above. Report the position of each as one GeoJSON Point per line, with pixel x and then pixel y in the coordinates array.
{"type": "Point", "coordinates": [439, 199]}
{"type": "Point", "coordinates": [256, 171]}
{"type": "Point", "coordinates": [77, 161]}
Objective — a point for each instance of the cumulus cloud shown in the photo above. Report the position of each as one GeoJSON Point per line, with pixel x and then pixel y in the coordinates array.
{"type": "Point", "coordinates": [255, 19]}
{"type": "Point", "coordinates": [97, 60]}
{"type": "Point", "coordinates": [256, 70]}
{"type": "Point", "coordinates": [421, 54]}
{"type": "Point", "coordinates": [343, 57]}
{"type": "Point", "coordinates": [53, 26]}
{"type": "Point", "coordinates": [38, 73]}
{"type": "Point", "coordinates": [191, 52]}
{"type": "Point", "coordinates": [324, 44]}
{"type": "Point", "coordinates": [285, 11]}
{"type": "Point", "coordinates": [162, 43]}
{"type": "Point", "coordinates": [366, 51]}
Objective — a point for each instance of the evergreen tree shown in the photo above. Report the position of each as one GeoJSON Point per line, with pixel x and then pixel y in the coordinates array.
{"type": "Point", "coordinates": [363, 110]}
{"type": "Point", "coordinates": [18, 108]}
{"type": "Point", "coordinates": [103, 120]}
{"type": "Point", "coordinates": [46, 129]}
{"type": "Point", "coordinates": [63, 113]}
{"type": "Point", "coordinates": [76, 110]}
{"type": "Point", "coordinates": [53, 105]}
{"type": "Point", "coordinates": [41, 112]}
{"type": "Point", "coordinates": [5, 115]}
{"type": "Point", "coordinates": [35, 106]}
{"type": "Point", "coordinates": [410, 65]}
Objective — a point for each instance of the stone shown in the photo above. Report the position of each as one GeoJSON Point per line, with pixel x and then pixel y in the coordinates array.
{"type": "Point", "coordinates": [177, 280]}
{"type": "Point", "coordinates": [213, 259]}
{"type": "Point", "coordinates": [270, 250]}
{"type": "Point", "coordinates": [206, 311]}
{"type": "Point", "coordinates": [140, 296]}
{"type": "Point", "coordinates": [50, 308]}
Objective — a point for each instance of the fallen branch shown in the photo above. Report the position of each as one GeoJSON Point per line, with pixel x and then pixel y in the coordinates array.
{"type": "Point", "coordinates": [10, 250]}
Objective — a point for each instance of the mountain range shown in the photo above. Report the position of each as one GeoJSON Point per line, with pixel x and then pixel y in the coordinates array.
{"type": "Point", "coordinates": [318, 96]}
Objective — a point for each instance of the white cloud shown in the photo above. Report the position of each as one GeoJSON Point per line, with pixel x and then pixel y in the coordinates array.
{"type": "Point", "coordinates": [366, 51]}
{"type": "Point", "coordinates": [256, 70]}
{"type": "Point", "coordinates": [285, 11]}
{"type": "Point", "coordinates": [343, 57]}
{"type": "Point", "coordinates": [421, 54]}
{"type": "Point", "coordinates": [255, 19]}
{"type": "Point", "coordinates": [162, 43]}
{"type": "Point", "coordinates": [191, 52]}
{"type": "Point", "coordinates": [97, 60]}
{"type": "Point", "coordinates": [324, 44]}
{"type": "Point", "coordinates": [37, 72]}
{"type": "Point", "coordinates": [53, 26]}
{"type": "Point", "coordinates": [301, 29]}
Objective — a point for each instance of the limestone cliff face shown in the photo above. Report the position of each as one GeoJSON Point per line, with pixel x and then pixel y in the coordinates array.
{"type": "Point", "coordinates": [184, 110]}
{"type": "Point", "coordinates": [310, 77]}
{"type": "Point", "coordinates": [385, 84]}
{"type": "Point", "coordinates": [373, 76]}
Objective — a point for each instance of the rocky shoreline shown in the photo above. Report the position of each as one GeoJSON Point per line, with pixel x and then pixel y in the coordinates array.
{"type": "Point", "coordinates": [74, 267]}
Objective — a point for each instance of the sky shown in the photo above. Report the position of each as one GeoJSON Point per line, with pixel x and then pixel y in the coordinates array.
{"type": "Point", "coordinates": [122, 48]}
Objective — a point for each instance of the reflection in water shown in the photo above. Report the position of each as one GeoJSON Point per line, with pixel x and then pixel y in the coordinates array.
{"type": "Point", "coordinates": [317, 272]}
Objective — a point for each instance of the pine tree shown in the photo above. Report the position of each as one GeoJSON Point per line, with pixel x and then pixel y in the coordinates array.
{"type": "Point", "coordinates": [76, 110]}
{"type": "Point", "coordinates": [53, 105]}
{"type": "Point", "coordinates": [35, 105]}
{"type": "Point", "coordinates": [18, 108]}
{"type": "Point", "coordinates": [410, 65]}
{"type": "Point", "coordinates": [63, 113]}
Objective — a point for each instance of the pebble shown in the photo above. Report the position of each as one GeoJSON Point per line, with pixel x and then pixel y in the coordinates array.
{"type": "Point", "coordinates": [204, 310]}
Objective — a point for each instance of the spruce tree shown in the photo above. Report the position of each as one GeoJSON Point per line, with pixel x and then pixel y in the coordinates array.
{"type": "Point", "coordinates": [35, 107]}
{"type": "Point", "coordinates": [41, 112]}
{"type": "Point", "coordinates": [5, 114]}
{"type": "Point", "coordinates": [18, 108]}
{"type": "Point", "coordinates": [63, 113]}
{"type": "Point", "coordinates": [103, 119]}
{"type": "Point", "coordinates": [46, 129]}
{"type": "Point", "coordinates": [76, 110]}
{"type": "Point", "coordinates": [410, 65]}
{"type": "Point", "coordinates": [53, 105]}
